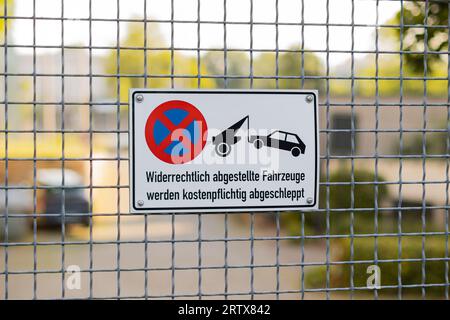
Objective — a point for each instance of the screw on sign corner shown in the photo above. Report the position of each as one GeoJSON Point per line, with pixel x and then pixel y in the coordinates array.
{"type": "Point", "coordinates": [140, 203]}
{"type": "Point", "coordinates": [139, 98]}
{"type": "Point", "coordinates": [309, 98]}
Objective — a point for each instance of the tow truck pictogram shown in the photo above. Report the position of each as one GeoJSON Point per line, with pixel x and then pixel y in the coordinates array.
{"type": "Point", "coordinates": [277, 139]}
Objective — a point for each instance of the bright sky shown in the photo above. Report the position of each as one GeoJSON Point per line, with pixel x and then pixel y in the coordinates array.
{"type": "Point", "coordinates": [48, 32]}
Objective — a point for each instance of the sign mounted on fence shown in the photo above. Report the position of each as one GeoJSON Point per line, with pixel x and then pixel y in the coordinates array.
{"type": "Point", "coordinates": [223, 150]}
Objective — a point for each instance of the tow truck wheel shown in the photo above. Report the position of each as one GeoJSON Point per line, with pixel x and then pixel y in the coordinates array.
{"type": "Point", "coordinates": [258, 143]}
{"type": "Point", "coordinates": [295, 151]}
{"type": "Point", "coordinates": [223, 149]}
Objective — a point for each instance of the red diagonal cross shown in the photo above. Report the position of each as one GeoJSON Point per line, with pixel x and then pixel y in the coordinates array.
{"type": "Point", "coordinates": [171, 127]}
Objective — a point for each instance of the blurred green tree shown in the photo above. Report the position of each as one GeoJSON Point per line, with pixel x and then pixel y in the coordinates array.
{"type": "Point", "coordinates": [264, 68]}
{"type": "Point", "coordinates": [435, 142]}
{"type": "Point", "coordinates": [10, 10]}
{"type": "Point", "coordinates": [389, 66]}
{"type": "Point", "coordinates": [291, 67]}
{"type": "Point", "coordinates": [237, 67]}
{"type": "Point", "coordinates": [413, 39]}
{"type": "Point", "coordinates": [417, 13]}
{"type": "Point", "coordinates": [130, 63]}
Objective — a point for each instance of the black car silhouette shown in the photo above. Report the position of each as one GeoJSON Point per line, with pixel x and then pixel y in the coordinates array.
{"type": "Point", "coordinates": [280, 140]}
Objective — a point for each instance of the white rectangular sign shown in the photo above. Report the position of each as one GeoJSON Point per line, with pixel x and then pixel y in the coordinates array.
{"type": "Point", "coordinates": [223, 150]}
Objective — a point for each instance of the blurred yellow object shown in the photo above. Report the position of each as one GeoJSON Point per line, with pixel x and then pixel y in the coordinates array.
{"type": "Point", "coordinates": [48, 146]}
{"type": "Point", "coordinates": [49, 153]}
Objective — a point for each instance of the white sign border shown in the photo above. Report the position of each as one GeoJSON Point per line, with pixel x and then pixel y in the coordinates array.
{"type": "Point", "coordinates": [131, 106]}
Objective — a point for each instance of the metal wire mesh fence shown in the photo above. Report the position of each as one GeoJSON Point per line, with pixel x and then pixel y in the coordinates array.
{"type": "Point", "coordinates": [384, 115]}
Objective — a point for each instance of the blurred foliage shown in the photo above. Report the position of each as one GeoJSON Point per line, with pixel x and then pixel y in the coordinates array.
{"type": "Point", "coordinates": [384, 66]}
{"type": "Point", "coordinates": [239, 68]}
{"type": "Point", "coordinates": [130, 63]}
{"type": "Point", "coordinates": [339, 196]}
{"type": "Point", "coordinates": [237, 65]}
{"type": "Point", "coordinates": [435, 143]}
{"type": "Point", "coordinates": [289, 65]}
{"type": "Point", "coordinates": [10, 12]}
{"type": "Point", "coordinates": [387, 249]}
{"type": "Point", "coordinates": [338, 222]}
{"type": "Point", "coordinates": [234, 69]}
{"type": "Point", "coordinates": [415, 13]}
{"type": "Point", "coordinates": [389, 66]}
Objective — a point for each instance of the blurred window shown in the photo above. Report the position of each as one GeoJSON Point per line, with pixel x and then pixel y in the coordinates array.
{"type": "Point", "coordinates": [341, 141]}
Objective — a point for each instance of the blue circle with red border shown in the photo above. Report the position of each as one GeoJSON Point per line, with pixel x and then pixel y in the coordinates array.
{"type": "Point", "coordinates": [175, 132]}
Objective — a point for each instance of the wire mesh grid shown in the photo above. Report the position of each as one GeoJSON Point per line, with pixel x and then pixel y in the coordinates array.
{"type": "Point", "coordinates": [395, 212]}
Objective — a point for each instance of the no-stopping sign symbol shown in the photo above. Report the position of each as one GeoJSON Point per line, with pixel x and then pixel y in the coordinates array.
{"type": "Point", "coordinates": [263, 157]}
{"type": "Point", "coordinates": [175, 132]}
